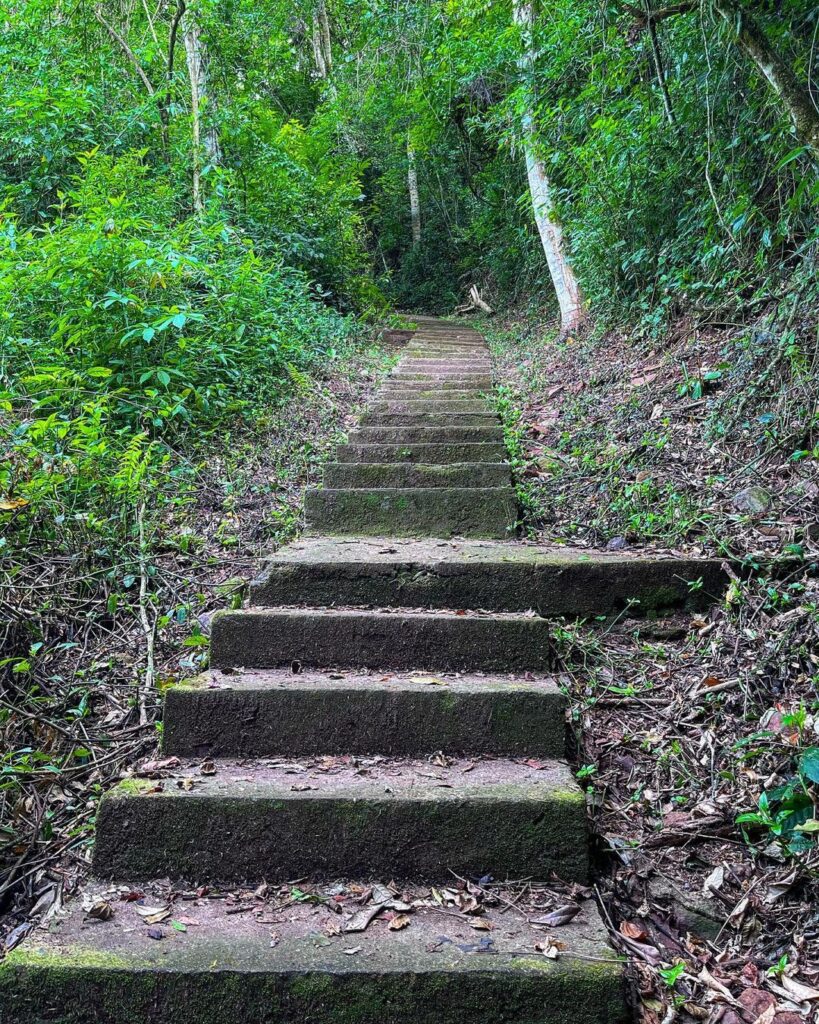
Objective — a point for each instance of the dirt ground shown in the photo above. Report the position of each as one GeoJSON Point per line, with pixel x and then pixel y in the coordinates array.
{"type": "Point", "coordinates": [705, 443]}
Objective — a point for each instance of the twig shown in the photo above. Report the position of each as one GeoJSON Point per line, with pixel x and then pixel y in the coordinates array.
{"type": "Point", "coordinates": [147, 628]}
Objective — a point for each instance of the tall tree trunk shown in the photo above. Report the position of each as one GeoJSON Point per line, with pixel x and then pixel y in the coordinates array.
{"type": "Point", "coordinates": [415, 201]}
{"type": "Point", "coordinates": [566, 285]}
{"type": "Point", "coordinates": [659, 67]}
{"type": "Point", "coordinates": [322, 67]}
{"type": "Point", "coordinates": [204, 142]}
{"type": "Point", "coordinates": [792, 94]}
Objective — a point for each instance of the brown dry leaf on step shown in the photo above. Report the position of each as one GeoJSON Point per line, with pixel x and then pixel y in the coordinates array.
{"type": "Point", "coordinates": [362, 919]}
{"type": "Point", "coordinates": [549, 947]}
{"type": "Point", "coordinates": [481, 924]}
{"type": "Point", "coordinates": [563, 915]}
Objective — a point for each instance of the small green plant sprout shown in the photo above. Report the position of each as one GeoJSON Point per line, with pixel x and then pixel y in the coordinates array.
{"type": "Point", "coordinates": [671, 975]}
{"type": "Point", "coordinates": [197, 637]}
{"type": "Point", "coordinates": [785, 816]}
{"type": "Point", "coordinates": [587, 771]}
{"type": "Point", "coordinates": [778, 969]}
{"type": "Point", "coordinates": [695, 385]}
{"type": "Point", "coordinates": [695, 585]}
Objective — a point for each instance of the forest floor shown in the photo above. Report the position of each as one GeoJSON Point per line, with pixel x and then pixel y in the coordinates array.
{"type": "Point", "coordinates": [679, 724]}
{"type": "Point", "coordinates": [72, 721]}
{"type": "Point", "coordinates": [701, 443]}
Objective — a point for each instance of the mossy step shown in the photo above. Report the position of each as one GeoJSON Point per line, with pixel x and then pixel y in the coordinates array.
{"type": "Point", "coordinates": [259, 714]}
{"type": "Point", "coordinates": [402, 475]}
{"type": "Point", "coordinates": [433, 378]}
{"type": "Point", "coordinates": [232, 968]}
{"type": "Point", "coordinates": [398, 384]}
{"type": "Point", "coordinates": [445, 364]}
{"type": "Point", "coordinates": [324, 638]}
{"type": "Point", "coordinates": [413, 511]}
{"type": "Point", "coordinates": [446, 351]}
{"type": "Point", "coordinates": [444, 434]}
{"type": "Point", "coordinates": [430, 406]}
{"type": "Point", "coordinates": [321, 818]}
{"type": "Point", "coordinates": [395, 394]}
{"type": "Point", "coordinates": [429, 454]}
{"type": "Point", "coordinates": [484, 418]}
{"type": "Point", "coordinates": [508, 576]}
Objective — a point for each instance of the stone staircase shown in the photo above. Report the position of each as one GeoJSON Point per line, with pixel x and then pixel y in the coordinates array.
{"type": "Point", "coordinates": [320, 747]}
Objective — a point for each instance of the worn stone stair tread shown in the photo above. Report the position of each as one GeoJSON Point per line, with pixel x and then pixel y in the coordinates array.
{"type": "Point", "coordinates": [424, 435]}
{"type": "Point", "coordinates": [442, 418]}
{"type": "Point", "coordinates": [228, 968]}
{"type": "Point", "coordinates": [404, 639]}
{"type": "Point", "coordinates": [482, 386]}
{"type": "Point", "coordinates": [416, 405]}
{"type": "Point", "coordinates": [365, 475]}
{"type": "Point", "coordinates": [413, 511]}
{"type": "Point", "coordinates": [507, 576]}
{"type": "Point", "coordinates": [253, 714]}
{"type": "Point", "coordinates": [436, 454]}
{"type": "Point", "coordinates": [464, 395]}
{"type": "Point", "coordinates": [320, 817]}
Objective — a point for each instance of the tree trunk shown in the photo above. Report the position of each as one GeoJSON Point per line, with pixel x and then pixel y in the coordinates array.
{"type": "Point", "coordinates": [415, 202]}
{"type": "Point", "coordinates": [566, 285]}
{"type": "Point", "coordinates": [206, 141]}
{"type": "Point", "coordinates": [792, 94]}
{"type": "Point", "coordinates": [659, 67]}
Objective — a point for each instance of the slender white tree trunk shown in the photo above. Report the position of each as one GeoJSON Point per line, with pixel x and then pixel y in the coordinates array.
{"type": "Point", "coordinates": [792, 94]}
{"type": "Point", "coordinates": [204, 142]}
{"type": "Point", "coordinates": [415, 201]}
{"type": "Point", "coordinates": [566, 285]}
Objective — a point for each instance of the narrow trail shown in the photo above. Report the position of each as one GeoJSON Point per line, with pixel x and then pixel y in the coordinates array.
{"type": "Point", "coordinates": [382, 711]}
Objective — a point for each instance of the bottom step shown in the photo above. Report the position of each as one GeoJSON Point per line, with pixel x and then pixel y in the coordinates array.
{"type": "Point", "coordinates": [251, 960]}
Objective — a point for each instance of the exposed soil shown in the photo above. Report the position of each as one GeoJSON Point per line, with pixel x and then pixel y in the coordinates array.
{"type": "Point", "coordinates": [684, 724]}
{"type": "Point", "coordinates": [248, 498]}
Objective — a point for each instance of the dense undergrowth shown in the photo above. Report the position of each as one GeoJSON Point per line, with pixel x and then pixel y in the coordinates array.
{"type": "Point", "coordinates": [107, 588]}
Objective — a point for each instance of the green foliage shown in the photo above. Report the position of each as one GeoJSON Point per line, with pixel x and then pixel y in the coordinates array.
{"type": "Point", "coordinates": [123, 331]}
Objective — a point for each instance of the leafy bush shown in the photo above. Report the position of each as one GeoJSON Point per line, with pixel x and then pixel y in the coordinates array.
{"type": "Point", "coordinates": [124, 333]}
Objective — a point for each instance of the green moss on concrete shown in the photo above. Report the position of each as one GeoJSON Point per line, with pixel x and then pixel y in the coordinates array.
{"type": "Point", "coordinates": [503, 990]}
{"type": "Point", "coordinates": [131, 787]}
{"type": "Point", "coordinates": [29, 956]}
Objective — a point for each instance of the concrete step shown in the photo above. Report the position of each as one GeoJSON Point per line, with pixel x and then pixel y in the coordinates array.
{"type": "Point", "coordinates": [393, 394]}
{"type": "Point", "coordinates": [485, 418]}
{"type": "Point", "coordinates": [380, 475]}
{"type": "Point", "coordinates": [327, 817]}
{"type": "Point", "coordinates": [428, 454]}
{"type": "Point", "coordinates": [436, 387]}
{"type": "Point", "coordinates": [445, 350]}
{"type": "Point", "coordinates": [305, 968]}
{"type": "Point", "coordinates": [413, 406]}
{"type": "Point", "coordinates": [277, 712]}
{"type": "Point", "coordinates": [511, 576]}
{"type": "Point", "coordinates": [446, 365]}
{"type": "Point", "coordinates": [413, 511]}
{"type": "Point", "coordinates": [433, 378]}
{"type": "Point", "coordinates": [425, 435]}
{"type": "Point", "coordinates": [326, 638]}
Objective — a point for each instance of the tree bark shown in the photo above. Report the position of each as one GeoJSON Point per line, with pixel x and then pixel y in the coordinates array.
{"type": "Point", "coordinates": [567, 287]}
{"type": "Point", "coordinates": [207, 141]}
{"type": "Point", "coordinates": [659, 67]}
{"type": "Point", "coordinates": [794, 97]}
{"type": "Point", "coordinates": [415, 201]}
